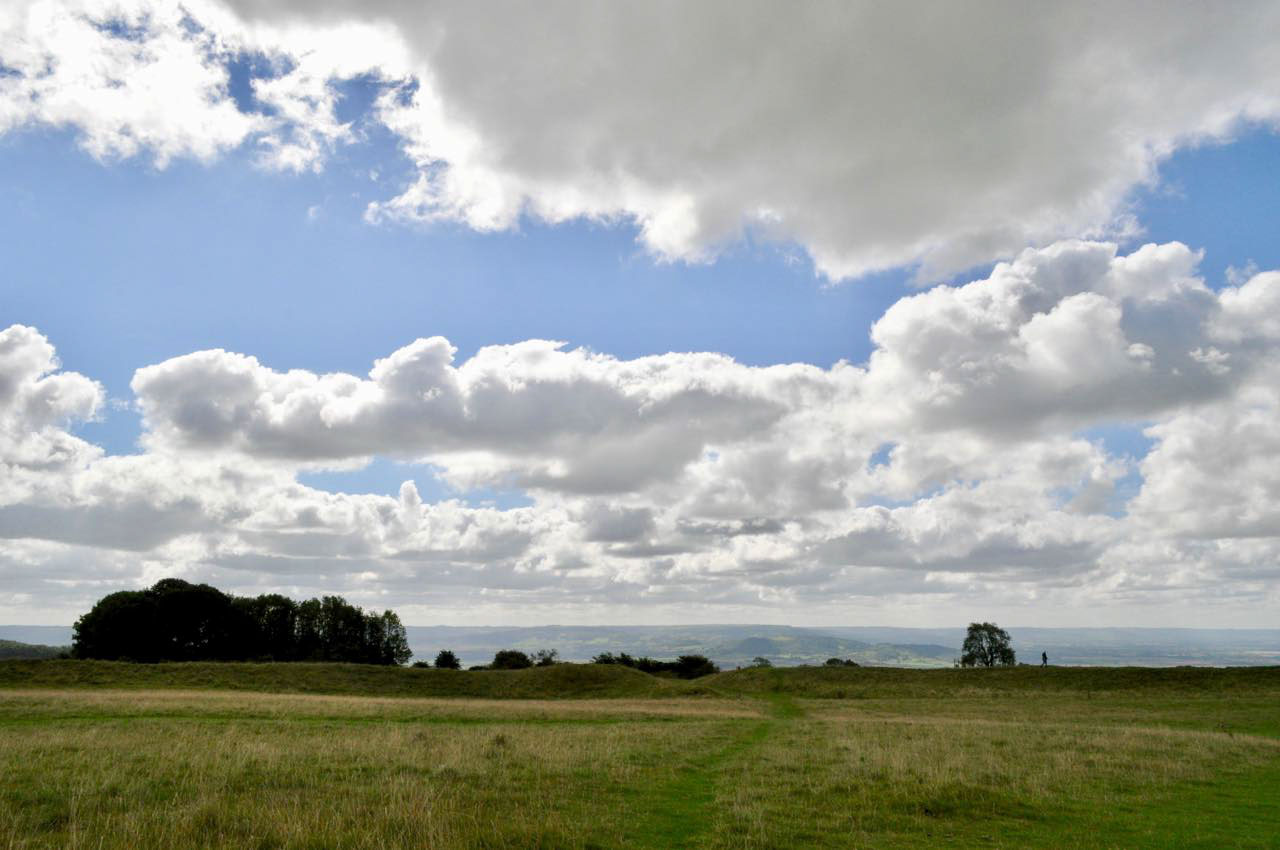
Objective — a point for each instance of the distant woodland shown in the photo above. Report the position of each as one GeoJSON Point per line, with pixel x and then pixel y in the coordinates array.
{"type": "Point", "coordinates": [17, 649]}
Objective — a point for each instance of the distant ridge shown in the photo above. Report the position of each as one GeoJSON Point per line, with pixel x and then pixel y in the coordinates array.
{"type": "Point", "coordinates": [17, 649]}
{"type": "Point", "coordinates": [733, 645]}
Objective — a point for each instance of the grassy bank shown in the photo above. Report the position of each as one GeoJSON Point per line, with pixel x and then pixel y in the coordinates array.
{"type": "Point", "coordinates": [562, 681]}
{"type": "Point", "coordinates": [593, 680]}
{"type": "Point", "coordinates": [890, 682]}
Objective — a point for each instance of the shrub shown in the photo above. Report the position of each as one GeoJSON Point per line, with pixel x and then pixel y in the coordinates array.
{"type": "Point", "coordinates": [510, 659]}
{"type": "Point", "coordinates": [685, 667]}
{"type": "Point", "coordinates": [694, 667]}
{"type": "Point", "coordinates": [446, 660]}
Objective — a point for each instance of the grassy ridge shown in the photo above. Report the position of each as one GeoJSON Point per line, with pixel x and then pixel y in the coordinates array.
{"type": "Point", "coordinates": [896, 683]}
{"type": "Point", "coordinates": [613, 681]}
{"type": "Point", "coordinates": [559, 681]}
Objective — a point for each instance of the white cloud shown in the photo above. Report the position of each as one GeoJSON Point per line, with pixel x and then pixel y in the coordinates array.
{"type": "Point", "coordinates": [129, 75]}
{"type": "Point", "coordinates": [949, 467]}
{"type": "Point", "coordinates": [36, 402]}
{"type": "Point", "coordinates": [871, 137]}
{"type": "Point", "coordinates": [542, 416]}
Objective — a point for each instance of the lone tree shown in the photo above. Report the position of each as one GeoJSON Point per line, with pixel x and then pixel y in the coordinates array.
{"type": "Point", "coordinates": [986, 645]}
{"type": "Point", "coordinates": [446, 660]}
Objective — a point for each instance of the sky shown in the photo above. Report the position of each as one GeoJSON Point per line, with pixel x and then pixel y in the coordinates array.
{"type": "Point", "coordinates": [821, 314]}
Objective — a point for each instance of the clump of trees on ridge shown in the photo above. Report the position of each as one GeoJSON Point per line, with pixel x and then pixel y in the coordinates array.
{"type": "Point", "coordinates": [684, 667]}
{"type": "Point", "coordinates": [174, 620]}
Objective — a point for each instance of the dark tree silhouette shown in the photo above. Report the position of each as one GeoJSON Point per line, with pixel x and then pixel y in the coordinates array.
{"type": "Point", "coordinates": [122, 625]}
{"type": "Point", "coordinates": [686, 666]}
{"type": "Point", "coordinates": [175, 620]}
{"type": "Point", "coordinates": [194, 622]}
{"type": "Point", "coordinates": [694, 666]}
{"type": "Point", "coordinates": [510, 659]}
{"type": "Point", "coordinates": [268, 627]}
{"type": "Point", "coordinates": [395, 641]}
{"type": "Point", "coordinates": [986, 645]}
{"type": "Point", "coordinates": [446, 660]}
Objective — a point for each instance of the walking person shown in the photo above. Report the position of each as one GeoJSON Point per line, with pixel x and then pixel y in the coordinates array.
{"type": "Point", "coordinates": [1044, 659]}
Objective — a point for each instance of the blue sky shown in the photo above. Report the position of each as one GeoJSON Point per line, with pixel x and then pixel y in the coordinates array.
{"type": "Point", "coordinates": [1053, 423]}
{"type": "Point", "coordinates": [334, 293]}
{"type": "Point", "coordinates": [127, 247]}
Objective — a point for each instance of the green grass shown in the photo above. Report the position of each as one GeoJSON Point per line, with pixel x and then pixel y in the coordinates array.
{"type": "Point", "coordinates": [889, 682]}
{"type": "Point", "coordinates": [309, 756]}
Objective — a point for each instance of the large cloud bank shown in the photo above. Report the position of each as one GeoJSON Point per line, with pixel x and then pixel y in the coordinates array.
{"type": "Point", "coordinates": [945, 135]}
{"type": "Point", "coordinates": [959, 464]}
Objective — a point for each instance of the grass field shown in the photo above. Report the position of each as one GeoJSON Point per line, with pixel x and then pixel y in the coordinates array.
{"type": "Point", "coordinates": [309, 756]}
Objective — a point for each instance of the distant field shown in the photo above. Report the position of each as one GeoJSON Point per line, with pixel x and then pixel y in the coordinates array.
{"type": "Point", "coordinates": [303, 756]}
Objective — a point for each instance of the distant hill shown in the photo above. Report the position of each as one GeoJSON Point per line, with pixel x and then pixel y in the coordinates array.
{"type": "Point", "coordinates": [736, 645]}
{"type": "Point", "coordinates": [45, 635]}
{"type": "Point", "coordinates": [1103, 646]}
{"type": "Point", "coordinates": [728, 645]}
{"type": "Point", "coordinates": [17, 649]}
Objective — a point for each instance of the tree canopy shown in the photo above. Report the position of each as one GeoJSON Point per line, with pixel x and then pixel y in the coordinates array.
{"type": "Point", "coordinates": [986, 645]}
{"type": "Point", "coordinates": [174, 620]}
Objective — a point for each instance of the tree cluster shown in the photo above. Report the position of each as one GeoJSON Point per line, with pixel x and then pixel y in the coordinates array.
{"type": "Point", "coordinates": [684, 667]}
{"type": "Point", "coordinates": [174, 620]}
{"type": "Point", "coordinates": [841, 662]}
{"type": "Point", "coordinates": [514, 659]}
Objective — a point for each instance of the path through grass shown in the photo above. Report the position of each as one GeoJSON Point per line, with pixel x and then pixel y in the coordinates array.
{"type": "Point", "coordinates": [681, 811]}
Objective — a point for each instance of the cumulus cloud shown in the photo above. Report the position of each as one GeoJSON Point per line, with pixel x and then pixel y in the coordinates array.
{"type": "Point", "coordinates": [562, 419]}
{"type": "Point", "coordinates": [36, 402]}
{"type": "Point", "coordinates": [954, 464]}
{"type": "Point", "coordinates": [1068, 335]}
{"type": "Point", "coordinates": [871, 137]}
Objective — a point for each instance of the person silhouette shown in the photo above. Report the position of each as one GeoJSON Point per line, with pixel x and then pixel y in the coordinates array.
{"type": "Point", "coordinates": [1044, 659]}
